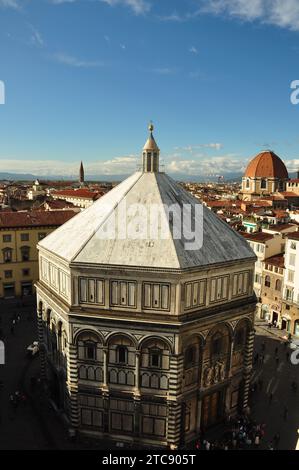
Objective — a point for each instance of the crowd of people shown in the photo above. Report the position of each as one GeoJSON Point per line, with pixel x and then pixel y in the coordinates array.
{"type": "Point", "coordinates": [240, 433]}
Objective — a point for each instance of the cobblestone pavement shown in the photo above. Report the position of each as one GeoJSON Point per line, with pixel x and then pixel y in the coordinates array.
{"type": "Point", "coordinates": [35, 425]}
{"type": "Point", "coordinates": [276, 404]}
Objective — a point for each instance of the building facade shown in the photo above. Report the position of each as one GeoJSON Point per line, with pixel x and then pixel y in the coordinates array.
{"type": "Point", "coordinates": [290, 305]}
{"type": "Point", "coordinates": [143, 340]}
{"type": "Point", "coordinates": [265, 245]}
{"type": "Point", "coordinates": [20, 232]}
{"type": "Point", "coordinates": [272, 290]}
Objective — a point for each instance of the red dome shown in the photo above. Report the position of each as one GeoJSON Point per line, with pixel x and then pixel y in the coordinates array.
{"type": "Point", "coordinates": [266, 165]}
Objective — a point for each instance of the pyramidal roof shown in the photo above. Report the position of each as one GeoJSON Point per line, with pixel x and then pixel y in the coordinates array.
{"type": "Point", "coordinates": [81, 239]}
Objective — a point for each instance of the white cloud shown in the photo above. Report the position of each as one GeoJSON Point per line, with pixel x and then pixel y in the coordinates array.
{"type": "Point", "coordinates": [36, 38]}
{"type": "Point", "coordinates": [282, 13]}
{"type": "Point", "coordinates": [116, 166]}
{"type": "Point", "coordinates": [59, 2]}
{"type": "Point", "coordinates": [10, 4]}
{"type": "Point", "coordinates": [197, 165]}
{"type": "Point", "coordinates": [174, 17]}
{"type": "Point", "coordinates": [139, 7]}
{"type": "Point", "coordinates": [164, 71]}
{"type": "Point", "coordinates": [194, 148]}
{"type": "Point", "coordinates": [292, 165]}
{"type": "Point", "coordinates": [75, 62]}
{"type": "Point", "coordinates": [193, 50]}
{"type": "Point", "coordinates": [205, 166]}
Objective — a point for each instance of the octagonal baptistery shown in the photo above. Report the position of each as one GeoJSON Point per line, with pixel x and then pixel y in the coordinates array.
{"type": "Point", "coordinates": [146, 338]}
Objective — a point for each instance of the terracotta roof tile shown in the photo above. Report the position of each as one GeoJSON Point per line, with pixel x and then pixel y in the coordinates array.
{"type": "Point", "coordinates": [293, 236]}
{"type": "Point", "coordinates": [34, 218]}
{"type": "Point", "coordinates": [81, 193]}
{"type": "Point", "coordinates": [261, 237]}
{"type": "Point", "coordinates": [277, 260]}
{"type": "Point", "coordinates": [266, 165]}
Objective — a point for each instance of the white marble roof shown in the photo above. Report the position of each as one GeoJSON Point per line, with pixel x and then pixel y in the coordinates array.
{"type": "Point", "coordinates": [79, 239]}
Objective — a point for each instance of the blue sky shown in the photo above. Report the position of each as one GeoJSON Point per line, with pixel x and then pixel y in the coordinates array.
{"type": "Point", "coordinates": [84, 77]}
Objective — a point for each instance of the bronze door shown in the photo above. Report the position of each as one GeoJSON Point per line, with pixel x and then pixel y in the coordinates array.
{"type": "Point", "coordinates": [211, 409]}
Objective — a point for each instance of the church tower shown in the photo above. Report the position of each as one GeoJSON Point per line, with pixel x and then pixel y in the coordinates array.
{"type": "Point", "coordinates": [81, 175]}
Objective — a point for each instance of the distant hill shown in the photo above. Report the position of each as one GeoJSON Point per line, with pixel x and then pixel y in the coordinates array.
{"type": "Point", "coordinates": [228, 177]}
{"type": "Point", "coordinates": [17, 176]}
{"type": "Point", "coordinates": [179, 177]}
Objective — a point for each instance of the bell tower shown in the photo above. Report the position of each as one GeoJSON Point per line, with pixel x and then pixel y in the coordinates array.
{"type": "Point", "coordinates": [81, 175]}
{"type": "Point", "coordinates": [151, 152]}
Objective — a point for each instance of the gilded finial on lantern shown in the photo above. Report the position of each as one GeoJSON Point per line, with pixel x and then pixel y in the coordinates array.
{"type": "Point", "coordinates": [151, 126]}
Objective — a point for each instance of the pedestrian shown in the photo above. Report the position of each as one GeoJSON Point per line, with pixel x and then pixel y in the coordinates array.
{"type": "Point", "coordinates": [257, 441]}
{"type": "Point", "coordinates": [208, 445]}
{"type": "Point", "coordinates": [285, 413]}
